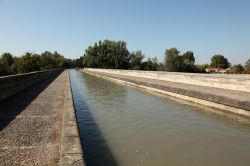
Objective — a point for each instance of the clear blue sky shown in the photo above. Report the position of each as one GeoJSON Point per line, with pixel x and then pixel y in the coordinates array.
{"type": "Point", "coordinates": [206, 27]}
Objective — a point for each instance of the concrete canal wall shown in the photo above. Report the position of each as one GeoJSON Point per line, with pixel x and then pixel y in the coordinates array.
{"type": "Point", "coordinates": [10, 85]}
{"type": "Point", "coordinates": [225, 81]}
{"type": "Point", "coordinates": [71, 149]}
{"type": "Point", "coordinates": [224, 92]}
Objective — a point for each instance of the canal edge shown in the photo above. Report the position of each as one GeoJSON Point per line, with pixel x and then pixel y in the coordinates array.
{"type": "Point", "coordinates": [220, 107]}
{"type": "Point", "coordinates": [71, 152]}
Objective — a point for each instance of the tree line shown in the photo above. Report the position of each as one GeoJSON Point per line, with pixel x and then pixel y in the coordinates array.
{"type": "Point", "coordinates": [115, 55]}
{"type": "Point", "coordinates": [29, 62]}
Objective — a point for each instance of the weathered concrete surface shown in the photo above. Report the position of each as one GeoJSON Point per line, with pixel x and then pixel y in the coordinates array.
{"type": "Point", "coordinates": [71, 150]}
{"type": "Point", "coordinates": [225, 81]}
{"type": "Point", "coordinates": [10, 85]}
{"type": "Point", "coordinates": [31, 124]}
{"type": "Point", "coordinates": [228, 100]}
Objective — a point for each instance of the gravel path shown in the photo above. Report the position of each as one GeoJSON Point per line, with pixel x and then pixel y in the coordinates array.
{"type": "Point", "coordinates": [31, 124]}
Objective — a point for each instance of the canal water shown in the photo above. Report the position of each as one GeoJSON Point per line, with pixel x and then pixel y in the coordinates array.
{"type": "Point", "coordinates": [126, 126]}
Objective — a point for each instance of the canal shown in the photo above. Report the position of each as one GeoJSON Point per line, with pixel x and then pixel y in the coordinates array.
{"type": "Point", "coordinates": [126, 126]}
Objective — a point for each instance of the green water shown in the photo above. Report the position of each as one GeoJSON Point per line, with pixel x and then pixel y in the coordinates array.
{"type": "Point", "coordinates": [122, 125]}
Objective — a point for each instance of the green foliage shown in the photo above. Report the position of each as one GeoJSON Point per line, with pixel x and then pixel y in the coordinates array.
{"type": "Point", "coordinates": [151, 64]}
{"type": "Point", "coordinates": [189, 60]}
{"type": "Point", "coordinates": [27, 63]}
{"type": "Point", "coordinates": [236, 69]}
{"type": "Point", "coordinates": [79, 62]}
{"type": "Point", "coordinates": [52, 60]}
{"type": "Point", "coordinates": [136, 60]}
{"type": "Point", "coordinates": [201, 68]}
{"type": "Point", "coordinates": [175, 62]}
{"type": "Point", "coordinates": [70, 63]}
{"type": "Point", "coordinates": [247, 69]}
{"type": "Point", "coordinates": [179, 63]}
{"type": "Point", "coordinates": [4, 69]}
{"type": "Point", "coordinates": [7, 58]}
{"type": "Point", "coordinates": [47, 60]}
{"type": "Point", "coordinates": [107, 54]}
{"type": "Point", "coordinates": [30, 62]}
{"type": "Point", "coordinates": [115, 55]}
{"type": "Point", "coordinates": [171, 59]}
{"type": "Point", "coordinates": [6, 61]}
{"type": "Point", "coordinates": [219, 61]}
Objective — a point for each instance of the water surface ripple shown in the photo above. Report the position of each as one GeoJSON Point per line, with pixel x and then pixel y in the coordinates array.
{"type": "Point", "coordinates": [122, 125]}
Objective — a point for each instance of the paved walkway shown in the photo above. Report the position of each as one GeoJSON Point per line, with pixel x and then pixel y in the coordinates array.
{"type": "Point", "coordinates": [31, 124]}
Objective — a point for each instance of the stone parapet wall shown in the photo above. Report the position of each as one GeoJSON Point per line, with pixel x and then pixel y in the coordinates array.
{"type": "Point", "coordinates": [10, 85]}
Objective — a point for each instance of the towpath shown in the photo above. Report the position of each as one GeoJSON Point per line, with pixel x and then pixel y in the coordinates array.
{"type": "Point", "coordinates": [32, 124]}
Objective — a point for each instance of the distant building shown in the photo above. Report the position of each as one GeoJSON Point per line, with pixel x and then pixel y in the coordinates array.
{"type": "Point", "coordinates": [217, 70]}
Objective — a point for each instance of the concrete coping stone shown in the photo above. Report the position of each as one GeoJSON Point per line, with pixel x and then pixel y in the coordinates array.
{"type": "Point", "coordinates": [71, 150]}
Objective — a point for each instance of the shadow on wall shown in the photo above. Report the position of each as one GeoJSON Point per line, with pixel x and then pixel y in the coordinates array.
{"type": "Point", "coordinates": [13, 106]}
{"type": "Point", "coordinates": [96, 150]}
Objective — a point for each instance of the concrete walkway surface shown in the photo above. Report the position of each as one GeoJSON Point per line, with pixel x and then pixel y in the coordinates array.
{"type": "Point", "coordinates": [31, 124]}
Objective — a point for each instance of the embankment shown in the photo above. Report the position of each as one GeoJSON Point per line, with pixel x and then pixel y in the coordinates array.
{"type": "Point", "coordinates": [225, 92]}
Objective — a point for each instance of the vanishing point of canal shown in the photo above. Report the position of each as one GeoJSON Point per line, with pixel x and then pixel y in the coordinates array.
{"type": "Point", "coordinates": [126, 126]}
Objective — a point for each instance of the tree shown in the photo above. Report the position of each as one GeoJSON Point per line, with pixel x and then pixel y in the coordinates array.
{"type": "Point", "coordinates": [151, 64]}
{"type": "Point", "coordinates": [236, 69]}
{"type": "Point", "coordinates": [247, 67]}
{"type": "Point", "coordinates": [46, 61]}
{"type": "Point", "coordinates": [219, 61]}
{"type": "Point", "coordinates": [52, 60]}
{"type": "Point", "coordinates": [28, 63]}
{"type": "Point", "coordinates": [172, 59]}
{"type": "Point", "coordinates": [58, 60]}
{"type": "Point", "coordinates": [79, 62]}
{"type": "Point", "coordinates": [32, 62]}
{"type": "Point", "coordinates": [179, 63]}
{"type": "Point", "coordinates": [7, 58]}
{"type": "Point", "coordinates": [136, 60]}
{"type": "Point", "coordinates": [201, 68]}
{"type": "Point", "coordinates": [188, 62]}
{"type": "Point", "coordinates": [6, 61]}
{"type": "Point", "coordinates": [188, 58]}
{"type": "Point", "coordinates": [107, 54]}
{"type": "Point", "coordinates": [4, 70]}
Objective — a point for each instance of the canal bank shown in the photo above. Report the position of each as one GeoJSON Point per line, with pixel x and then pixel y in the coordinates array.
{"type": "Point", "coordinates": [71, 152]}
{"type": "Point", "coordinates": [217, 91]}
